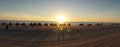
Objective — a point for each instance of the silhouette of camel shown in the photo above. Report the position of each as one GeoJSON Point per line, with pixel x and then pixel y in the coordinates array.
{"type": "Point", "coordinates": [69, 24]}
{"type": "Point", "coordinates": [23, 24]}
{"type": "Point", "coordinates": [45, 24]}
{"type": "Point", "coordinates": [3, 23]}
{"type": "Point", "coordinates": [81, 24]}
{"type": "Point", "coordinates": [17, 24]}
{"type": "Point", "coordinates": [34, 24]}
{"type": "Point", "coordinates": [39, 24]}
{"type": "Point", "coordinates": [89, 25]}
{"type": "Point", "coordinates": [54, 24]}
{"type": "Point", "coordinates": [51, 24]}
{"type": "Point", "coordinates": [30, 24]}
{"type": "Point", "coordinates": [98, 24]}
{"type": "Point", "coordinates": [10, 24]}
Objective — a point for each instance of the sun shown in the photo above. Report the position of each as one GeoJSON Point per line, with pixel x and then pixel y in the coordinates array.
{"type": "Point", "coordinates": [61, 19]}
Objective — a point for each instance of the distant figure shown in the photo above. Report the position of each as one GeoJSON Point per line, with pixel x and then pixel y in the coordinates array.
{"type": "Point", "coordinates": [89, 25]}
{"type": "Point", "coordinates": [69, 24]}
{"type": "Point", "coordinates": [45, 24]}
{"type": "Point", "coordinates": [55, 24]}
{"type": "Point", "coordinates": [101, 24]}
{"type": "Point", "coordinates": [116, 23]}
{"type": "Point", "coordinates": [3, 23]}
{"type": "Point", "coordinates": [51, 24]}
{"type": "Point", "coordinates": [6, 27]}
{"type": "Point", "coordinates": [64, 24]}
{"type": "Point", "coordinates": [23, 24]}
{"type": "Point", "coordinates": [81, 24]}
{"type": "Point", "coordinates": [17, 24]}
{"type": "Point", "coordinates": [98, 24]}
{"type": "Point", "coordinates": [60, 24]}
{"type": "Point", "coordinates": [10, 24]}
{"type": "Point", "coordinates": [111, 24]}
{"type": "Point", "coordinates": [39, 24]}
{"type": "Point", "coordinates": [34, 24]}
{"type": "Point", "coordinates": [30, 24]}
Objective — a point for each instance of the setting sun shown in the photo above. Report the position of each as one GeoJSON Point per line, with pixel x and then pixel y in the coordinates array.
{"type": "Point", "coordinates": [61, 19]}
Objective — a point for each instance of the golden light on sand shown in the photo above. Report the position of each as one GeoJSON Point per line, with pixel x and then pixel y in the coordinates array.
{"type": "Point", "coordinates": [61, 19]}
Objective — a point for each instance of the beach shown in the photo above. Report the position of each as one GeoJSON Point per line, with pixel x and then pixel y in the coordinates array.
{"type": "Point", "coordinates": [60, 36]}
{"type": "Point", "coordinates": [59, 23]}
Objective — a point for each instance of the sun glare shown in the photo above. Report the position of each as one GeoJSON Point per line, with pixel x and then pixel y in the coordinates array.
{"type": "Point", "coordinates": [61, 19]}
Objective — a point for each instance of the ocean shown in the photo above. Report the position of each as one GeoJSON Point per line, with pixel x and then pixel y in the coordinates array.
{"type": "Point", "coordinates": [42, 22]}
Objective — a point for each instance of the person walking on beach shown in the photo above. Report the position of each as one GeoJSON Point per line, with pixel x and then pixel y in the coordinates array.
{"type": "Point", "coordinates": [6, 27]}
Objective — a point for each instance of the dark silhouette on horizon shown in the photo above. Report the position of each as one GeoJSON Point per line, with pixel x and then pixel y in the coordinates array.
{"type": "Point", "coordinates": [51, 24]}
{"type": "Point", "coordinates": [10, 24]}
{"type": "Point", "coordinates": [6, 27]}
{"type": "Point", "coordinates": [17, 24]}
{"type": "Point", "coordinates": [23, 24]}
{"type": "Point", "coordinates": [45, 24]}
{"type": "Point", "coordinates": [3, 23]}
{"type": "Point", "coordinates": [69, 24]}
{"type": "Point", "coordinates": [81, 24]}
{"type": "Point", "coordinates": [89, 25]}
{"type": "Point", "coordinates": [39, 24]}
{"type": "Point", "coordinates": [115, 24]}
{"type": "Point", "coordinates": [54, 24]}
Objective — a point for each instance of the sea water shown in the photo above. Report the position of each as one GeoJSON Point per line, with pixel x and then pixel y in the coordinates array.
{"type": "Point", "coordinates": [43, 22]}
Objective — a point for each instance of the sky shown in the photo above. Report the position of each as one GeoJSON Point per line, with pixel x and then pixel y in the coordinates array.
{"type": "Point", "coordinates": [49, 10]}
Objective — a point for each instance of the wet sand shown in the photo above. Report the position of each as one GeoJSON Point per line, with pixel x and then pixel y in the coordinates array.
{"type": "Point", "coordinates": [47, 36]}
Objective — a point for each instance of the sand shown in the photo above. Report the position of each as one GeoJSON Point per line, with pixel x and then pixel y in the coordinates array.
{"type": "Point", "coordinates": [47, 36]}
